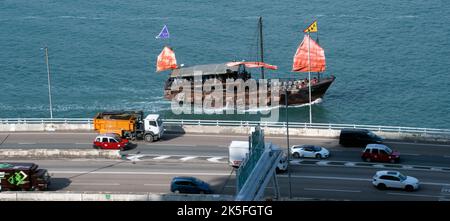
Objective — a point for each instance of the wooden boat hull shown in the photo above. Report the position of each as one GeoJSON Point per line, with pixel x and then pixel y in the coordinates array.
{"type": "Point", "coordinates": [295, 96]}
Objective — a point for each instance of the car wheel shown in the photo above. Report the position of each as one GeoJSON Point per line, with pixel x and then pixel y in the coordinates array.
{"type": "Point", "coordinates": [409, 188]}
{"type": "Point", "coordinates": [392, 160]}
{"type": "Point", "coordinates": [148, 138]}
{"type": "Point", "coordinates": [202, 192]}
{"type": "Point", "coordinates": [381, 186]}
{"type": "Point", "coordinates": [318, 156]}
{"type": "Point", "coordinates": [367, 159]}
{"type": "Point", "coordinates": [296, 155]}
{"type": "Point", "coordinates": [176, 191]}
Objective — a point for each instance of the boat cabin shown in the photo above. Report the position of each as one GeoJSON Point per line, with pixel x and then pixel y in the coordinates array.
{"type": "Point", "coordinates": [221, 72]}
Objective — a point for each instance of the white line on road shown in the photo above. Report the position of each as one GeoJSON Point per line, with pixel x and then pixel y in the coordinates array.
{"type": "Point", "coordinates": [96, 184]}
{"type": "Point", "coordinates": [357, 179]}
{"type": "Point", "coordinates": [420, 144]}
{"type": "Point", "coordinates": [27, 143]}
{"type": "Point", "coordinates": [419, 195]}
{"type": "Point", "coordinates": [378, 165]}
{"type": "Point", "coordinates": [349, 164]}
{"type": "Point", "coordinates": [330, 178]}
{"type": "Point", "coordinates": [172, 145]}
{"type": "Point", "coordinates": [214, 159]}
{"type": "Point", "coordinates": [137, 173]}
{"type": "Point", "coordinates": [246, 137]}
{"type": "Point", "coordinates": [411, 154]}
{"type": "Point", "coordinates": [187, 158]}
{"type": "Point", "coordinates": [155, 184]}
{"type": "Point", "coordinates": [334, 190]}
{"type": "Point", "coordinates": [322, 163]}
{"type": "Point", "coordinates": [161, 157]}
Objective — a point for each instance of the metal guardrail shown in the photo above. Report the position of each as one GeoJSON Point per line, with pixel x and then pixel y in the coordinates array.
{"type": "Point", "coordinates": [232, 123]}
{"type": "Point", "coordinates": [329, 126]}
{"type": "Point", "coordinates": [46, 121]}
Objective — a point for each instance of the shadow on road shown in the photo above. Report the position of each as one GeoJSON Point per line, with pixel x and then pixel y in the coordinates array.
{"type": "Point", "coordinates": [58, 183]}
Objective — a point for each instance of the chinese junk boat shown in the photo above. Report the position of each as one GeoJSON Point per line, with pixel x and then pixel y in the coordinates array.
{"type": "Point", "coordinates": [309, 57]}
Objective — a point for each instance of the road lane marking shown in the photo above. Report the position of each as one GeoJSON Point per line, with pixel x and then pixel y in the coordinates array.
{"type": "Point", "coordinates": [349, 164]}
{"type": "Point", "coordinates": [322, 163]}
{"type": "Point", "coordinates": [246, 137]}
{"type": "Point", "coordinates": [333, 190]}
{"type": "Point", "coordinates": [214, 159]}
{"type": "Point", "coordinates": [95, 184]}
{"type": "Point", "coordinates": [330, 178]}
{"type": "Point", "coordinates": [166, 144]}
{"type": "Point", "coordinates": [411, 154]}
{"type": "Point", "coordinates": [419, 144]}
{"type": "Point", "coordinates": [418, 195]}
{"type": "Point", "coordinates": [136, 173]}
{"type": "Point", "coordinates": [26, 143]}
{"type": "Point", "coordinates": [155, 184]}
{"type": "Point", "coordinates": [161, 157]}
{"type": "Point", "coordinates": [378, 165]}
{"type": "Point", "coordinates": [187, 158]}
{"type": "Point", "coordinates": [447, 156]}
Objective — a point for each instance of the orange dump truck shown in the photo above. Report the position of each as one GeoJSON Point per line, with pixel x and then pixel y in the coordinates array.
{"type": "Point", "coordinates": [130, 124]}
{"type": "Point", "coordinates": [124, 123]}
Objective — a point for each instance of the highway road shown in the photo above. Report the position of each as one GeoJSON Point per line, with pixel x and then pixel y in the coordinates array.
{"type": "Point", "coordinates": [313, 182]}
{"type": "Point", "coordinates": [151, 166]}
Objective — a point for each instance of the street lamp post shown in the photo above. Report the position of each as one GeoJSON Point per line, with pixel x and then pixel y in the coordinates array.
{"type": "Point", "coordinates": [48, 78]}
{"type": "Point", "coordinates": [287, 137]}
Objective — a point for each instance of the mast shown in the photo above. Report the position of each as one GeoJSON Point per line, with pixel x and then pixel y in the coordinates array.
{"type": "Point", "coordinates": [261, 45]}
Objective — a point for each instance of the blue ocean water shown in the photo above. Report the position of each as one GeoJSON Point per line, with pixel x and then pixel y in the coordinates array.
{"type": "Point", "coordinates": [391, 59]}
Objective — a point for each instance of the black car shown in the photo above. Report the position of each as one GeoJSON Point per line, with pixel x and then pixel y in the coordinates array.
{"type": "Point", "coordinates": [189, 185]}
{"type": "Point", "coordinates": [358, 137]}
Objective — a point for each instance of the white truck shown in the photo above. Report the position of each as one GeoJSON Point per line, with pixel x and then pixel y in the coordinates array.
{"type": "Point", "coordinates": [238, 151]}
{"type": "Point", "coordinates": [153, 127]}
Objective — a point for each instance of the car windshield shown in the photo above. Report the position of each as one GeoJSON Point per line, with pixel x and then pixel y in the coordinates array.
{"type": "Point", "coordinates": [402, 177]}
{"type": "Point", "coordinates": [371, 134]}
{"type": "Point", "coordinates": [388, 150]}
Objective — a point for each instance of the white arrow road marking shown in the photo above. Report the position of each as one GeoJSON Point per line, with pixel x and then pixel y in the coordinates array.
{"type": "Point", "coordinates": [322, 163]}
{"type": "Point", "coordinates": [295, 162]}
{"type": "Point", "coordinates": [161, 157]}
{"type": "Point", "coordinates": [187, 158]}
{"type": "Point", "coordinates": [135, 157]}
{"type": "Point", "coordinates": [378, 165]}
{"type": "Point", "coordinates": [349, 164]}
{"type": "Point", "coordinates": [214, 159]}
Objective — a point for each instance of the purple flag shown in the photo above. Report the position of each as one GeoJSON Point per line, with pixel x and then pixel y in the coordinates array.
{"type": "Point", "coordinates": [164, 33]}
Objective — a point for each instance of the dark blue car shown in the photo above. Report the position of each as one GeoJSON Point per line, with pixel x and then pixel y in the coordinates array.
{"type": "Point", "coordinates": [189, 185]}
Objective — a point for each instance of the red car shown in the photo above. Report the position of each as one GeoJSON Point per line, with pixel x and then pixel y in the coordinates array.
{"type": "Point", "coordinates": [380, 153]}
{"type": "Point", "coordinates": [110, 141]}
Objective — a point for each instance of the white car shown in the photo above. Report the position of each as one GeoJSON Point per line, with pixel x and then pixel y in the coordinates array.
{"type": "Point", "coordinates": [309, 151]}
{"type": "Point", "coordinates": [394, 179]}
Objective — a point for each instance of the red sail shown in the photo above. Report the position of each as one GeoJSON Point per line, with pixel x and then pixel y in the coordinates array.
{"type": "Point", "coordinates": [316, 54]}
{"type": "Point", "coordinates": [166, 60]}
{"type": "Point", "coordinates": [253, 64]}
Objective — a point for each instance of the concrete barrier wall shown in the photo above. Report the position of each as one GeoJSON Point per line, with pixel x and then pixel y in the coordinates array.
{"type": "Point", "coordinates": [59, 153]}
{"type": "Point", "coordinates": [74, 196]}
{"type": "Point", "coordinates": [45, 127]}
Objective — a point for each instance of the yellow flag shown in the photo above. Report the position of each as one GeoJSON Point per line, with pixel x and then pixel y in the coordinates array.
{"type": "Point", "coordinates": [312, 27]}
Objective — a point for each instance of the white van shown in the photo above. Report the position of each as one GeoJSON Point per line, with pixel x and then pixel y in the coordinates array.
{"type": "Point", "coordinates": [239, 149]}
